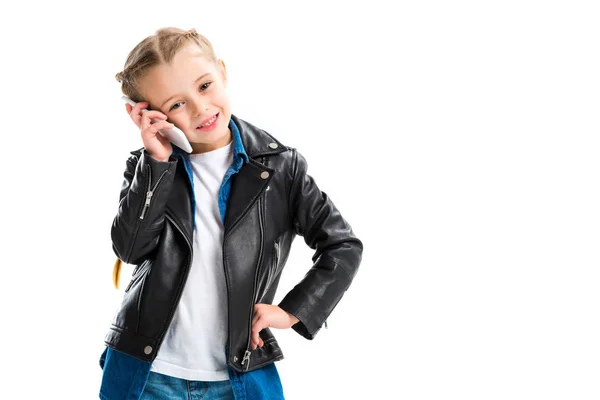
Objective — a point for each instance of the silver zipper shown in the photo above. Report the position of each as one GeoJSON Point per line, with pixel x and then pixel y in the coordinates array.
{"type": "Point", "coordinates": [246, 359]}
{"type": "Point", "coordinates": [273, 269]}
{"type": "Point", "coordinates": [150, 192]}
{"type": "Point", "coordinates": [146, 204]}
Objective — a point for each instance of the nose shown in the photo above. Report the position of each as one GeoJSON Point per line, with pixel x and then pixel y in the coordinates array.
{"type": "Point", "coordinates": [200, 106]}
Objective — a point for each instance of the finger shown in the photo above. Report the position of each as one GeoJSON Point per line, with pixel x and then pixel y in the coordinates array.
{"type": "Point", "coordinates": [140, 106]}
{"type": "Point", "coordinates": [261, 344]}
{"type": "Point", "coordinates": [135, 114]}
{"type": "Point", "coordinates": [149, 116]}
{"type": "Point", "coordinates": [255, 339]}
{"type": "Point", "coordinates": [255, 329]}
{"type": "Point", "coordinates": [128, 108]}
{"type": "Point", "coordinates": [152, 114]}
{"type": "Point", "coordinates": [257, 313]}
{"type": "Point", "coordinates": [137, 110]}
{"type": "Point", "coordinates": [155, 127]}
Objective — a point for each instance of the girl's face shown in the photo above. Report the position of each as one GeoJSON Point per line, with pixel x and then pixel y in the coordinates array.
{"type": "Point", "coordinates": [190, 91]}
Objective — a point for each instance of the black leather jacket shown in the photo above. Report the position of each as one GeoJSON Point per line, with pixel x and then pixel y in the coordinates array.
{"type": "Point", "coordinates": [272, 199]}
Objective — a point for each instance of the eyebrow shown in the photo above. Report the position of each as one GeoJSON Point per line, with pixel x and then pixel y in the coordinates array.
{"type": "Point", "coordinates": [199, 78]}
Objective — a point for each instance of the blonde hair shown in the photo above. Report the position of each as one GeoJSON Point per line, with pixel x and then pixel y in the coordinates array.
{"type": "Point", "coordinates": [158, 49]}
{"type": "Point", "coordinates": [154, 50]}
{"type": "Point", "coordinates": [117, 272]}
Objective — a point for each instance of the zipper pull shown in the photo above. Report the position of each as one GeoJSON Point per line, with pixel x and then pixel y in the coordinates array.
{"type": "Point", "coordinates": [325, 323]}
{"type": "Point", "coordinates": [148, 197]}
{"type": "Point", "coordinates": [246, 359]}
{"type": "Point", "coordinates": [147, 203]}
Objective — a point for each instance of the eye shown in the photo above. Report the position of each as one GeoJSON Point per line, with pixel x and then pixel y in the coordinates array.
{"type": "Point", "coordinates": [173, 106]}
{"type": "Point", "coordinates": [202, 88]}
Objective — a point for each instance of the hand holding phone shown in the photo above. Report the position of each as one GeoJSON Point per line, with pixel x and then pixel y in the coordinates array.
{"type": "Point", "coordinates": [152, 122]}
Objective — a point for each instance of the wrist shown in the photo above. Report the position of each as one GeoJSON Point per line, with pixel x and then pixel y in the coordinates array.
{"type": "Point", "coordinates": [293, 319]}
{"type": "Point", "coordinates": [158, 158]}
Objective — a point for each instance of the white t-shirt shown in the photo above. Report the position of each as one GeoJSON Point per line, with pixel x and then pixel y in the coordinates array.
{"type": "Point", "coordinates": [194, 346]}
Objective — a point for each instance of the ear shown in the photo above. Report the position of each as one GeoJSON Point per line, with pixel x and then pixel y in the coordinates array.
{"type": "Point", "coordinates": [223, 71]}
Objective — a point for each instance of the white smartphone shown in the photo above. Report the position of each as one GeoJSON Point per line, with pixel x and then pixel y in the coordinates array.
{"type": "Point", "coordinates": [175, 135]}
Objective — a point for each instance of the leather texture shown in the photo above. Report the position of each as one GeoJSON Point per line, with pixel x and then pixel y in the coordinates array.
{"type": "Point", "coordinates": [272, 200]}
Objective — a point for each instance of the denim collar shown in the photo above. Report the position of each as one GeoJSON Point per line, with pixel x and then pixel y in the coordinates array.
{"type": "Point", "coordinates": [239, 153]}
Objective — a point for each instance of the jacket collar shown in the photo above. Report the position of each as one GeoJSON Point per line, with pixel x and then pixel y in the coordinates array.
{"type": "Point", "coordinates": [257, 142]}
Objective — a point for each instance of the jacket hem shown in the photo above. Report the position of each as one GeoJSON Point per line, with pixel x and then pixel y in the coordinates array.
{"type": "Point", "coordinates": [130, 343]}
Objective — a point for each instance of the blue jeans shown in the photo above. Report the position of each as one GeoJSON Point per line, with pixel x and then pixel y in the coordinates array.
{"type": "Point", "coordinates": [164, 387]}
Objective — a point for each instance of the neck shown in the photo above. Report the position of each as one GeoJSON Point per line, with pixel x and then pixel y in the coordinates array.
{"type": "Point", "coordinates": [198, 148]}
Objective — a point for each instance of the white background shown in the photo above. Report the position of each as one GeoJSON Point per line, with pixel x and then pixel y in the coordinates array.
{"type": "Point", "coordinates": [459, 139]}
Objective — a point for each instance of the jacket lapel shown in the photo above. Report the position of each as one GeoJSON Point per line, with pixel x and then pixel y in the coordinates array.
{"type": "Point", "coordinates": [253, 177]}
{"type": "Point", "coordinates": [246, 187]}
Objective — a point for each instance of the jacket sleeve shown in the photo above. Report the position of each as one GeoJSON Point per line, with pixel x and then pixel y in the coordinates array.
{"type": "Point", "coordinates": [338, 253]}
{"type": "Point", "coordinates": [141, 214]}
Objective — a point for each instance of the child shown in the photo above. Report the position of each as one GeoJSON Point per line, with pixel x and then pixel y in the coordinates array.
{"type": "Point", "coordinates": [210, 233]}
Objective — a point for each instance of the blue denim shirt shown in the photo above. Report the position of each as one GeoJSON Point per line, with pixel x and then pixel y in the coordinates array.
{"type": "Point", "coordinates": [124, 377]}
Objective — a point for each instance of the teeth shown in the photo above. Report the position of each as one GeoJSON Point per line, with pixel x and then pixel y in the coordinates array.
{"type": "Point", "coordinates": [210, 121]}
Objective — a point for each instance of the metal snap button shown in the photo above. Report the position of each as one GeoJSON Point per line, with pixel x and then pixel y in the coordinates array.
{"type": "Point", "coordinates": [264, 175]}
{"type": "Point", "coordinates": [147, 349]}
{"type": "Point", "coordinates": [273, 145]}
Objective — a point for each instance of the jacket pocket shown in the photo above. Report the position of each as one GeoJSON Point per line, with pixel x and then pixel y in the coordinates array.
{"type": "Point", "coordinates": [127, 316]}
{"type": "Point", "coordinates": [268, 272]}
{"type": "Point", "coordinates": [150, 191]}
{"type": "Point", "coordinates": [137, 274]}
{"type": "Point", "coordinates": [273, 267]}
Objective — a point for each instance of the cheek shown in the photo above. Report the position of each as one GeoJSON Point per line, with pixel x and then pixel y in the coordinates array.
{"type": "Point", "coordinates": [221, 99]}
{"type": "Point", "coordinates": [179, 120]}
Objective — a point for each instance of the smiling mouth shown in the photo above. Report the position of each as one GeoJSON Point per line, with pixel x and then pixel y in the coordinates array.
{"type": "Point", "coordinates": [209, 123]}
